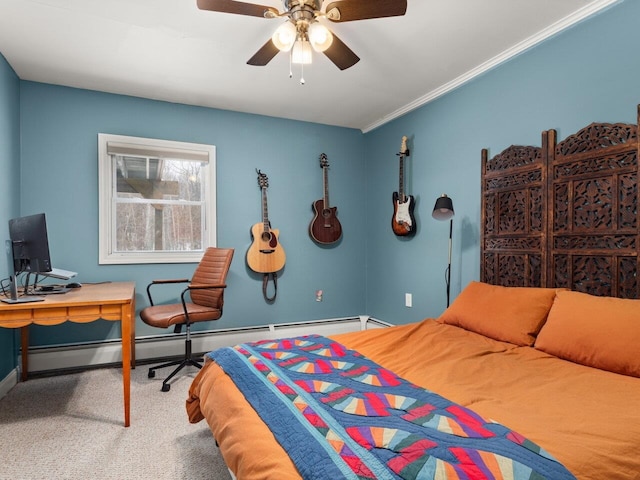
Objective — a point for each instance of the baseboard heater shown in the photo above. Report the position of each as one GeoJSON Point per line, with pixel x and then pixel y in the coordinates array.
{"type": "Point", "coordinates": [73, 356]}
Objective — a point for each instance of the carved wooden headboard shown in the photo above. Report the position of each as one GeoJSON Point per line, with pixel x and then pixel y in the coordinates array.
{"type": "Point", "coordinates": [565, 214]}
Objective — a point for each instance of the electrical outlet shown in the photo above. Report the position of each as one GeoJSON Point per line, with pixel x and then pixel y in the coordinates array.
{"type": "Point", "coordinates": [408, 300]}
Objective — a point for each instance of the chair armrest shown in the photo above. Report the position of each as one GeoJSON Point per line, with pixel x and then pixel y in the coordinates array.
{"type": "Point", "coordinates": [172, 280]}
{"type": "Point", "coordinates": [198, 286]}
{"type": "Point", "coordinates": [201, 286]}
{"type": "Point", "coordinates": [163, 282]}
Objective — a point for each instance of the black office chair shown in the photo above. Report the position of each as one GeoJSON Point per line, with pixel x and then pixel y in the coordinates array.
{"type": "Point", "coordinates": [206, 292]}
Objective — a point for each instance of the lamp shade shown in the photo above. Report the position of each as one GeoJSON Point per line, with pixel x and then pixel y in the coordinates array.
{"type": "Point", "coordinates": [320, 37]}
{"type": "Point", "coordinates": [443, 209]}
{"type": "Point", "coordinates": [285, 36]}
{"type": "Point", "coordinates": [301, 53]}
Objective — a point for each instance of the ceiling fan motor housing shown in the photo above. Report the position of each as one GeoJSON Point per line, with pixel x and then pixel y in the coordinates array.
{"type": "Point", "coordinates": [291, 5]}
{"type": "Point", "coordinates": [302, 11]}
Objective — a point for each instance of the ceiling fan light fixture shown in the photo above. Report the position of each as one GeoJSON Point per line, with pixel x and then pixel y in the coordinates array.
{"type": "Point", "coordinates": [285, 36]}
{"type": "Point", "coordinates": [320, 37]}
{"type": "Point", "coordinates": [301, 53]}
{"type": "Point", "coordinates": [302, 15]}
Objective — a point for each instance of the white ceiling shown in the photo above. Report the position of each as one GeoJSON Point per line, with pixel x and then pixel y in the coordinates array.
{"type": "Point", "coordinates": [169, 50]}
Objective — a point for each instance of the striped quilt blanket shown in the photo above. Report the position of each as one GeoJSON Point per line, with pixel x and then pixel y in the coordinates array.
{"type": "Point", "coordinates": [340, 415]}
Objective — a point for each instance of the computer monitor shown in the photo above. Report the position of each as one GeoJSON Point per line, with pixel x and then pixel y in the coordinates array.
{"type": "Point", "coordinates": [28, 236]}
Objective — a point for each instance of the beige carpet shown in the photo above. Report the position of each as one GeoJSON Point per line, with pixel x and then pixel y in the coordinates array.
{"type": "Point", "coordinates": [71, 427]}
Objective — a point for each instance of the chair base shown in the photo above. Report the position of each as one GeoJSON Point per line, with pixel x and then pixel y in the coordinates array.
{"type": "Point", "coordinates": [181, 364]}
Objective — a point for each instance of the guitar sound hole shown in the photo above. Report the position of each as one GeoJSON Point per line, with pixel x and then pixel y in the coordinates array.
{"type": "Point", "coordinates": [326, 213]}
{"type": "Point", "coordinates": [266, 236]}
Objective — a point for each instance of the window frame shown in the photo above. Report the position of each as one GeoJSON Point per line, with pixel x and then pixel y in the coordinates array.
{"type": "Point", "coordinates": [107, 194]}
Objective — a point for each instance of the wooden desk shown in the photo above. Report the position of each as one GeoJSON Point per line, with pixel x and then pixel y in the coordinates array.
{"type": "Point", "coordinates": [108, 301]}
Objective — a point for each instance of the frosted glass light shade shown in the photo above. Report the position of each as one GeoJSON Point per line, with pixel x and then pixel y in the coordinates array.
{"type": "Point", "coordinates": [301, 53]}
{"type": "Point", "coordinates": [320, 37]}
{"type": "Point", "coordinates": [284, 37]}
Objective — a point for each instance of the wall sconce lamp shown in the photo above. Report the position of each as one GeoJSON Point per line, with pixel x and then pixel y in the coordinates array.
{"type": "Point", "coordinates": [443, 210]}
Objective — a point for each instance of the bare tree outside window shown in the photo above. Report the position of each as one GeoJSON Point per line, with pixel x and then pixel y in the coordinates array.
{"type": "Point", "coordinates": [158, 206]}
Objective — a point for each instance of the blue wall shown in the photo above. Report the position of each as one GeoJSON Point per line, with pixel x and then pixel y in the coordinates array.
{"type": "Point", "coordinates": [9, 192]}
{"type": "Point", "coordinates": [588, 73]}
{"type": "Point", "coordinates": [60, 128]}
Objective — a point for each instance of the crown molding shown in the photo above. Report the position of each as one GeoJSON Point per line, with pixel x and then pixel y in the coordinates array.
{"type": "Point", "coordinates": [585, 12]}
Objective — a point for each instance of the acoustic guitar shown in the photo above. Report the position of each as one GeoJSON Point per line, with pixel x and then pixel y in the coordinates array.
{"type": "Point", "coordinates": [265, 255]}
{"type": "Point", "coordinates": [403, 222]}
{"type": "Point", "coordinates": [325, 227]}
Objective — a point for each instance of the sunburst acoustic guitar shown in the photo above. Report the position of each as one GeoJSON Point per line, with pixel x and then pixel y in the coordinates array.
{"type": "Point", "coordinates": [403, 222]}
{"type": "Point", "coordinates": [325, 227]}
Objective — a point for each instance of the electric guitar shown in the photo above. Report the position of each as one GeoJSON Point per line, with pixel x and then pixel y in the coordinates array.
{"type": "Point", "coordinates": [325, 227]}
{"type": "Point", "coordinates": [403, 222]}
{"type": "Point", "coordinates": [265, 255]}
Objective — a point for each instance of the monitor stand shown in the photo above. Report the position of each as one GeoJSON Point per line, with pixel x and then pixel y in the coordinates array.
{"type": "Point", "coordinates": [23, 299]}
{"type": "Point", "coordinates": [14, 298]}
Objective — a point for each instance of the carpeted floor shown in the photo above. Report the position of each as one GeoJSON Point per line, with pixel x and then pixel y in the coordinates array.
{"type": "Point", "coordinates": [71, 427]}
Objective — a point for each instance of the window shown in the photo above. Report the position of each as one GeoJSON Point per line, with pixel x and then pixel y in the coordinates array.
{"type": "Point", "coordinates": [157, 200]}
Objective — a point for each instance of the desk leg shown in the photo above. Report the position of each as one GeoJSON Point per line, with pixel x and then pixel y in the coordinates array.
{"type": "Point", "coordinates": [133, 332]}
{"type": "Point", "coordinates": [24, 345]}
{"type": "Point", "coordinates": [126, 320]}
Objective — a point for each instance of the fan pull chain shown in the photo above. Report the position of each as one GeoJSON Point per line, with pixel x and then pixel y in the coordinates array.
{"type": "Point", "coordinates": [290, 62]}
{"type": "Point", "coordinates": [291, 68]}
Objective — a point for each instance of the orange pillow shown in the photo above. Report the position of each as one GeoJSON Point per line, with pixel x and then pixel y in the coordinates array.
{"type": "Point", "coordinates": [508, 314]}
{"type": "Point", "coordinates": [600, 332]}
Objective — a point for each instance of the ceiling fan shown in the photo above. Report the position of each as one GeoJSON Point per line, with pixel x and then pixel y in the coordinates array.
{"type": "Point", "coordinates": [302, 29]}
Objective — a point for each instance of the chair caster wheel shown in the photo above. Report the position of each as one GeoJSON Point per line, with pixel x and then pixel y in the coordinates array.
{"type": "Point", "coordinates": [152, 374]}
{"type": "Point", "coordinates": [166, 387]}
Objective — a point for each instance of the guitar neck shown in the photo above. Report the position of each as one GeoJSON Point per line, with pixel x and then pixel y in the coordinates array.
{"type": "Point", "coordinates": [401, 186]}
{"type": "Point", "coordinates": [265, 212]}
{"type": "Point", "coordinates": [325, 186]}
{"type": "Point", "coordinates": [404, 152]}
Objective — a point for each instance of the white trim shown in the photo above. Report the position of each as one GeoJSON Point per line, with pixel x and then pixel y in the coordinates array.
{"type": "Point", "coordinates": [371, 323]}
{"type": "Point", "coordinates": [8, 382]}
{"type": "Point", "coordinates": [563, 24]}
{"type": "Point", "coordinates": [162, 346]}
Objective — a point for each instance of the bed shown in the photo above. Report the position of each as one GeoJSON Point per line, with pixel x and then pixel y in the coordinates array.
{"type": "Point", "coordinates": [531, 373]}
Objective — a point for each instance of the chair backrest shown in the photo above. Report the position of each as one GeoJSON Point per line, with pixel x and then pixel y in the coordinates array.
{"type": "Point", "coordinates": [212, 269]}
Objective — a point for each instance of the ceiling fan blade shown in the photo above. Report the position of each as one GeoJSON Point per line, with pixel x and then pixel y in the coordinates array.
{"type": "Point", "coordinates": [264, 55]}
{"type": "Point", "coordinates": [349, 10]}
{"type": "Point", "coordinates": [231, 6]}
{"type": "Point", "coordinates": [340, 54]}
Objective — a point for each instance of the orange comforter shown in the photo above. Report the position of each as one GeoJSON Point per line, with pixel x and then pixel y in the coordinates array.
{"type": "Point", "coordinates": [588, 419]}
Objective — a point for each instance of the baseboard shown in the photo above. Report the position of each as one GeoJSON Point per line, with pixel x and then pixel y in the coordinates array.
{"type": "Point", "coordinates": [63, 357]}
{"type": "Point", "coordinates": [8, 382]}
